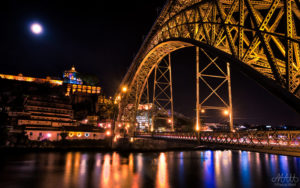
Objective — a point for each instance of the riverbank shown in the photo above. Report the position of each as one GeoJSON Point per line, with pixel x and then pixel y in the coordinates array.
{"type": "Point", "coordinates": [128, 146]}
{"type": "Point", "coordinates": [122, 145]}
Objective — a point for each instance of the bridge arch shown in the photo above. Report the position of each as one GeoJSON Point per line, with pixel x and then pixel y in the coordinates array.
{"type": "Point", "coordinates": [246, 33]}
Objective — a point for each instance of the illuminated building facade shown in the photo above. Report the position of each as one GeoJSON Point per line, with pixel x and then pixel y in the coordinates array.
{"type": "Point", "coordinates": [144, 117]}
{"type": "Point", "coordinates": [46, 112]}
{"type": "Point", "coordinates": [71, 77]}
{"type": "Point", "coordinates": [54, 134]}
{"type": "Point", "coordinates": [71, 80]}
{"type": "Point", "coordinates": [83, 89]}
{"type": "Point", "coordinates": [46, 118]}
{"type": "Point", "coordinates": [75, 84]}
{"type": "Point", "coordinates": [20, 77]}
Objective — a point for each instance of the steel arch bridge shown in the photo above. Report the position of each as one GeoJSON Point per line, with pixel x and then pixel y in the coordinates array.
{"type": "Point", "coordinates": [259, 37]}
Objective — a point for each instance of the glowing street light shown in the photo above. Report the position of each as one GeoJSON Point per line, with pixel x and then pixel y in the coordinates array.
{"type": "Point", "coordinates": [202, 111]}
{"type": "Point", "coordinates": [36, 28]}
{"type": "Point", "coordinates": [118, 98]}
{"type": "Point", "coordinates": [124, 89]}
{"type": "Point", "coordinates": [170, 120]}
{"type": "Point", "coordinates": [197, 128]}
{"type": "Point", "coordinates": [226, 112]}
{"type": "Point", "coordinates": [108, 133]}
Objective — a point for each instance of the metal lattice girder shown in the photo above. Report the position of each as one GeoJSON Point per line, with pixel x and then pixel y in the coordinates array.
{"type": "Point", "coordinates": [163, 90]}
{"type": "Point", "coordinates": [279, 142]}
{"type": "Point", "coordinates": [222, 78]}
{"type": "Point", "coordinates": [260, 35]}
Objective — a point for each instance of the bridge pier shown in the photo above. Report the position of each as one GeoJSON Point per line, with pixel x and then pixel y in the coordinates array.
{"type": "Point", "coordinates": [203, 75]}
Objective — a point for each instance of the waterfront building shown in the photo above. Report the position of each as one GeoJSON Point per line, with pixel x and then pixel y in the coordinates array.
{"type": "Point", "coordinates": [51, 117]}
{"type": "Point", "coordinates": [48, 111]}
{"type": "Point", "coordinates": [144, 117]}
{"type": "Point", "coordinates": [70, 133]}
{"type": "Point", "coordinates": [46, 108]}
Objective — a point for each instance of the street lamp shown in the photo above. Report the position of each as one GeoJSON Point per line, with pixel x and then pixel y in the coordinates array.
{"type": "Point", "coordinates": [128, 126]}
{"type": "Point", "coordinates": [124, 89]}
{"type": "Point", "coordinates": [202, 111]}
{"type": "Point", "coordinates": [118, 98]}
{"type": "Point", "coordinates": [226, 112]}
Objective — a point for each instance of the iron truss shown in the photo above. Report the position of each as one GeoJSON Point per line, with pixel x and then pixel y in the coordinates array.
{"type": "Point", "coordinates": [163, 91]}
{"type": "Point", "coordinates": [259, 34]}
{"type": "Point", "coordinates": [279, 142]}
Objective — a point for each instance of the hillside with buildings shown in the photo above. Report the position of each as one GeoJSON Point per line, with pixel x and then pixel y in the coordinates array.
{"type": "Point", "coordinates": [53, 109]}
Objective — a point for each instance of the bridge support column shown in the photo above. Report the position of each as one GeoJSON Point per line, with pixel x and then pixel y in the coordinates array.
{"type": "Point", "coordinates": [198, 122]}
{"type": "Point", "coordinates": [163, 92]}
{"type": "Point", "coordinates": [230, 98]}
{"type": "Point", "coordinates": [214, 76]}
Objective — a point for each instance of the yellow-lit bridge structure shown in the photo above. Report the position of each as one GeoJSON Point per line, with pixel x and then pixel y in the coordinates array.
{"type": "Point", "coordinates": [258, 37]}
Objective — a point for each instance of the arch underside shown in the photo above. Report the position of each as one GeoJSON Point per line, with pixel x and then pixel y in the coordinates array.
{"type": "Point", "coordinates": [249, 34]}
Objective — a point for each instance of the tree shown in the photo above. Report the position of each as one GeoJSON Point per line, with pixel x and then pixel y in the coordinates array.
{"type": "Point", "coordinates": [89, 79]}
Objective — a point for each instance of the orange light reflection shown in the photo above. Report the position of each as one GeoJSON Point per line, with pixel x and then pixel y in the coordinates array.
{"type": "Point", "coordinates": [162, 172]}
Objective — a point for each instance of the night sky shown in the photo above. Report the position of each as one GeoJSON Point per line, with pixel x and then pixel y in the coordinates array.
{"type": "Point", "coordinates": [102, 38]}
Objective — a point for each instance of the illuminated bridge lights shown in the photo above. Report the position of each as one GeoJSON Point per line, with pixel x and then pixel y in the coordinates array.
{"type": "Point", "coordinates": [232, 139]}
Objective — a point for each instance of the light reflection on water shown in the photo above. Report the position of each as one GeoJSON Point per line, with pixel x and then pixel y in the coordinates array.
{"type": "Point", "coordinates": [166, 169]}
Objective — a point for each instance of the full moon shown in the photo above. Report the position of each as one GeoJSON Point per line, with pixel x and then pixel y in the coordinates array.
{"type": "Point", "coordinates": [36, 28]}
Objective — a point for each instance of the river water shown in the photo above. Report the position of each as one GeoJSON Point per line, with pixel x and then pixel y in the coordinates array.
{"type": "Point", "coordinates": [161, 169]}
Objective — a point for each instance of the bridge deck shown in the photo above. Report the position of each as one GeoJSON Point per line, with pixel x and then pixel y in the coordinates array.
{"type": "Point", "coordinates": [278, 142]}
